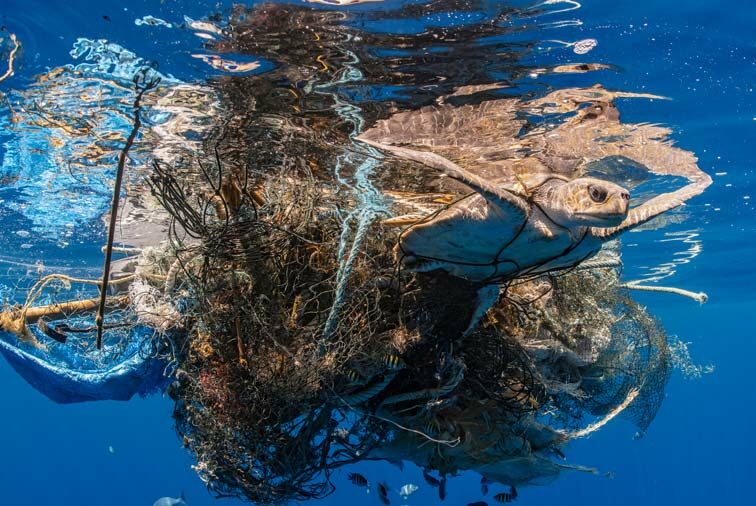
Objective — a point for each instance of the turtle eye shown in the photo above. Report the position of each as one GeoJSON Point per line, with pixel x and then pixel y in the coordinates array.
{"type": "Point", "coordinates": [597, 194]}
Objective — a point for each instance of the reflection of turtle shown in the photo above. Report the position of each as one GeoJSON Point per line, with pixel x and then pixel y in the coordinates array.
{"type": "Point", "coordinates": [496, 233]}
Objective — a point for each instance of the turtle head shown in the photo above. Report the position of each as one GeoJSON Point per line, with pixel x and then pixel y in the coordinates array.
{"type": "Point", "coordinates": [589, 202]}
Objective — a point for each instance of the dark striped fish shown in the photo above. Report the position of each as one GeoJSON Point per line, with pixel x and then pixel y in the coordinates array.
{"type": "Point", "coordinates": [357, 479]}
{"type": "Point", "coordinates": [504, 497]}
{"type": "Point", "coordinates": [353, 376]}
{"type": "Point", "coordinates": [432, 428]}
{"type": "Point", "coordinates": [393, 362]}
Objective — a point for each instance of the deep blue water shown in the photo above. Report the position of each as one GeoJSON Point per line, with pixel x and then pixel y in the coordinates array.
{"type": "Point", "coordinates": [699, 450]}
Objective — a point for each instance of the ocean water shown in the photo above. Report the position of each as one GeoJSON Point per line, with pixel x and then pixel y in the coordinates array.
{"type": "Point", "coordinates": [701, 54]}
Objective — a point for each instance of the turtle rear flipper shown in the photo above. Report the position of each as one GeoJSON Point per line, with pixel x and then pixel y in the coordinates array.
{"type": "Point", "coordinates": [485, 299]}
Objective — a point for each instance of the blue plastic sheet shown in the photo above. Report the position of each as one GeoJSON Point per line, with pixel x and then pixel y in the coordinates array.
{"type": "Point", "coordinates": [62, 373]}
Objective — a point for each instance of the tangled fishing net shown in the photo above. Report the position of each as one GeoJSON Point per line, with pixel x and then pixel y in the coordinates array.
{"type": "Point", "coordinates": [272, 395]}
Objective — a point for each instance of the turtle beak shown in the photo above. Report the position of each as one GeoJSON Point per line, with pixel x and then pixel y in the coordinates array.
{"type": "Point", "coordinates": [608, 216]}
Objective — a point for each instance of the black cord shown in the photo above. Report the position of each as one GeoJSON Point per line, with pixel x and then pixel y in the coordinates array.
{"type": "Point", "coordinates": [142, 87]}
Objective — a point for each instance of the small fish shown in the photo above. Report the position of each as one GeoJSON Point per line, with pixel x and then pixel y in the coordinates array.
{"type": "Point", "coordinates": [353, 376]}
{"type": "Point", "coordinates": [432, 428]}
{"type": "Point", "coordinates": [504, 497]}
{"type": "Point", "coordinates": [407, 490]}
{"type": "Point", "coordinates": [484, 485]}
{"type": "Point", "coordinates": [513, 492]}
{"type": "Point", "coordinates": [383, 493]}
{"type": "Point", "coordinates": [430, 480]}
{"type": "Point", "coordinates": [477, 503]}
{"type": "Point", "coordinates": [106, 18]}
{"type": "Point", "coordinates": [393, 362]}
{"type": "Point", "coordinates": [111, 450]}
{"type": "Point", "coordinates": [171, 501]}
{"type": "Point", "coordinates": [357, 479]}
{"type": "Point", "coordinates": [442, 489]}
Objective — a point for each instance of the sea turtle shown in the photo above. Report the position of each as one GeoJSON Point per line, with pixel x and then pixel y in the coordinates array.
{"type": "Point", "coordinates": [500, 232]}
{"type": "Point", "coordinates": [523, 217]}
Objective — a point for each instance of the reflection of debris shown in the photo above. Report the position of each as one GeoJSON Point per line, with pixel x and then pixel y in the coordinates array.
{"type": "Point", "coordinates": [203, 35]}
{"type": "Point", "coordinates": [571, 6]}
{"type": "Point", "coordinates": [11, 57]}
{"type": "Point", "coordinates": [219, 63]}
{"type": "Point", "coordinates": [202, 26]}
{"type": "Point", "coordinates": [579, 68]}
{"type": "Point", "coordinates": [584, 46]}
{"type": "Point", "coordinates": [152, 21]}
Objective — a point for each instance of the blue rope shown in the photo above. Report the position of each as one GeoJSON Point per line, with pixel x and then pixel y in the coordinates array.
{"type": "Point", "coordinates": [370, 201]}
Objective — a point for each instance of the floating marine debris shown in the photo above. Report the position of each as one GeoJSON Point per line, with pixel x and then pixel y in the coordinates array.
{"type": "Point", "coordinates": [298, 336]}
{"type": "Point", "coordinates": [8, 72]}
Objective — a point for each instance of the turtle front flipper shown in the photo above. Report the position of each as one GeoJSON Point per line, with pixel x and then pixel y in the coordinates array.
{"type": "Point", "coordinates": [656, 206]}
{"type": "Point", "coordinates": [500, 197]}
